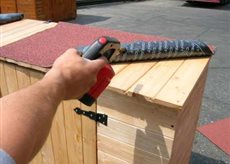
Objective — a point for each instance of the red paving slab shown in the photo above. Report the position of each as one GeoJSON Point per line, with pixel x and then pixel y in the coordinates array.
{"type": "Point", "coordinates": [218, 133]}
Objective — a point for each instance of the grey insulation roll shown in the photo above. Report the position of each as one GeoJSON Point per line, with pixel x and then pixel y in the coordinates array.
{"type": "Point", "coordinates": [154, 50]}
{"type": "Point", "coordinates": [10, 17]}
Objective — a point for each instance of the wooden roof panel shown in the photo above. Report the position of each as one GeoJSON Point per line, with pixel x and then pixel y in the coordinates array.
{"type": "Point", "coordinates": [167, 82]}
{"type": "Point", "coordinates": [129, 75]}
{"type": "Point", "coordinates": [180, 85]}
{"type": "Point", "coordinates": [155, 79]}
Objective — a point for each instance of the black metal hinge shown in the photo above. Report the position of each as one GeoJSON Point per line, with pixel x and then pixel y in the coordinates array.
{"type": "Point", "coordinates": [98, 117]}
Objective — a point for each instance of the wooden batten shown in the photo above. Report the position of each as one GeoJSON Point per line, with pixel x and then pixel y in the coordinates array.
{"type": "Point", "coordinates": [11, 78]}
{"type": "Point", "coordinates": [59, 137]}
{"type": "Point", "coordinates": [89, 136]}
{"type": "Point", "coordinates": [3, 84]}
{"type": "Point", "coordinates": [73, 129]}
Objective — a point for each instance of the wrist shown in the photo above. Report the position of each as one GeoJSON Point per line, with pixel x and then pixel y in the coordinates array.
{"type": "Point", "coordinates": [54, 86]}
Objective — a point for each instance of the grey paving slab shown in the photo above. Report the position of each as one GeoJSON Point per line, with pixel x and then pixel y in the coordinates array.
{"type": "Point", "coordinates": [216, 36]}
{"type": "Point", "coordinates": [204, 152]}
{"type": "Point", "coordinates": [208, 22]}
{"type": "Point", "coordinates": [220, 39]}
{"type": "Point", "coordinates": [213, 110]}
{"type": "Point", "coordinates": [89, 19]}
{"type": "Point", "coordinates": [178, 19]}
{"type": "Point", "coordinates": [218, 85]}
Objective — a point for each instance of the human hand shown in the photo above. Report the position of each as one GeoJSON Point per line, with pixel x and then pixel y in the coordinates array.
{"type": "Point", "coordinates": [73, 75]}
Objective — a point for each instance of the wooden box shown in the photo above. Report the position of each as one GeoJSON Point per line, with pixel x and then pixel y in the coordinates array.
{"type": "Point", "coordinates": [54, 10]}
{"type": "Point", "coordinates": [153, 108]}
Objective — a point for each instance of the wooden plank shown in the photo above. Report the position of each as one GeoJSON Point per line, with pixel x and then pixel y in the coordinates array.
{"type": "Point", "coordinates": [11, 77]}
{"type": "Point", "coordinates": [104, 158]}
{"type": "Point", "coordinates": [35, 76]}
{"type": "Point", "coordinates": [23, 77]}
{"type": "Point", "coordinates": [21, 29]}
{"type": "Point", "coordinates": [11, 26]}
{"type": "Point", "coordinates": [18, 27]}
{"type": "Point", "coordinates": [3, 85]}
{"type": "Point", "coordinates": [89, 137]}
{"type": "Point", "coordinates": [129, 75]}
{"type": "Point", "coordinates": [178, 88]}
{"type": "Point", "coordinates": [47, 151]}
{"type": "Point", "coordinates": [152, 82]}
{"type": "Point", "coordinates": [59, 137]}
{"type": "Point", "coordinates": [187, 123]}
{"type": "Point", "coordinates": [26, 33]}
{"type": "Point", "coordinates": [138, 112]}
{"type": "Point", "coordinates": [73, 132]}
{"type": "Point", "coordinates": [118, 67]}
{"type": "Point", "coordinates": [137, 137]}
{"type": "Point", "coordinates": [126, 152]}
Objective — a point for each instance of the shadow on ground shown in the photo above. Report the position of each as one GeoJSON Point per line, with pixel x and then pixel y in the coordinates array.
{"type": "Point", "coordinates": [88, 19]}
{"type": "Point", "coordinates": [197, 158]}
{"type": "Point", "coordinates": [207, 5]}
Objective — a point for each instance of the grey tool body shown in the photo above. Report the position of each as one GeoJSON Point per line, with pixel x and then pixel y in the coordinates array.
{"type": "Point", "coordinates": [153, 50]}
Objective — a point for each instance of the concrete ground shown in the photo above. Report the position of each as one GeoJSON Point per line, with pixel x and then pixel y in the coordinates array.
{"type": "Point", "coordinates": [178, 19]}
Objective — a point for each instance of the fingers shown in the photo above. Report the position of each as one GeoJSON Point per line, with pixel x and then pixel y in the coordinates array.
{"type": "Point", "coordinates": [71, 51]}
{"type": "Point", "coordinates": [93, 65]}
{"type": "Point", "coordinates": [99, 63]}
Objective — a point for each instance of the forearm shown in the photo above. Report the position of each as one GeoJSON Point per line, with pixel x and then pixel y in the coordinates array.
{"type": "Point", "coordinates": [26, 117]}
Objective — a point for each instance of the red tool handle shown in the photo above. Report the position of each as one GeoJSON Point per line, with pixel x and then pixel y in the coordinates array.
{"type": "Point", "coordinates": [103, 79]}
{"type": "Point", "coordinates": [107, 47]}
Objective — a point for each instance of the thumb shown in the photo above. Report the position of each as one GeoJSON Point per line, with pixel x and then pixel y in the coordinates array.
{"type": "Point", "coordinates": [99, 63]}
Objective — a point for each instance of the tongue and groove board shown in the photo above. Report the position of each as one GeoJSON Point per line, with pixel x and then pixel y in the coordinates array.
{"type": "Point", "coordinates": [152, 106]}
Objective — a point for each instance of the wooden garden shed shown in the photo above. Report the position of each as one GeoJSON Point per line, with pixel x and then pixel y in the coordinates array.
{"type": "Point", "coordinates": [54, 10]}
{"type": "Point", "coordinates": [152, 107]}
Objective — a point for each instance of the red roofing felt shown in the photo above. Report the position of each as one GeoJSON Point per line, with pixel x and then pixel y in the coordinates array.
{"type": "Point", "coordinates": [43, 48]}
